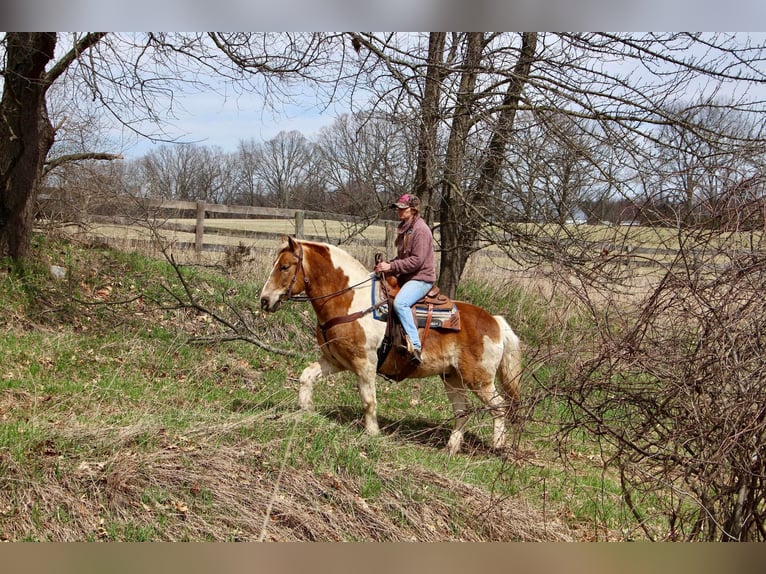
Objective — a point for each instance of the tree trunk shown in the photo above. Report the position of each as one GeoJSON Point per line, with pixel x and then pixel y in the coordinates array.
{"type": "Point", "coordinates": [495, 154]}
{"type": "Point", "coordinates": [26, 135]}
{"type": "Point", "coordinates": [426, 167]}
{"type": "Point", "coordinates": [461, 233]}
{"type": "Point", "coordinates": [452, 206]}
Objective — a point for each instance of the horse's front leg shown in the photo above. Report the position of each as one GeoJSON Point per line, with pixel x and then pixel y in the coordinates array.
{"type": "Point", "coordinates": [310, 374]}
{"type": "Point", "coordinates": [366, 383]}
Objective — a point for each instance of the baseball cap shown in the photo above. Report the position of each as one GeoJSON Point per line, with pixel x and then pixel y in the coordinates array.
{"type": "Point", "coordinates": [407, 200]}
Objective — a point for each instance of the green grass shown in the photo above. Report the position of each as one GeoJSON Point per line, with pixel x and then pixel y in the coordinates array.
{"type": "Point", "coordinates": [121, 419]}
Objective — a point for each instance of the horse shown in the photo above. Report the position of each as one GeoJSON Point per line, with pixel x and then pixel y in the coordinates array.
{"type": "Point", "coordinates": [339, 289]}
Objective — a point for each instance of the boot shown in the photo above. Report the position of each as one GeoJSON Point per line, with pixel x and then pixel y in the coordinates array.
{"type": "Point", "coordinates": [415, 357]}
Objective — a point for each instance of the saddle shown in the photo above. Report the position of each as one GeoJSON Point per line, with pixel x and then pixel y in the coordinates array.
{"type": "Point", "coordinates": [434, 311]}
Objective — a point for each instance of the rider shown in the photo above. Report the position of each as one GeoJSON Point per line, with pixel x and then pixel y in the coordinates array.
{"type": "Point", "coordinates": [413, 265]}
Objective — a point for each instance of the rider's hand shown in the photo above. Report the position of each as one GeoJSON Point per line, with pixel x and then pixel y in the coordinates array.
{"type": "Point", "coordinates": [383, 266]}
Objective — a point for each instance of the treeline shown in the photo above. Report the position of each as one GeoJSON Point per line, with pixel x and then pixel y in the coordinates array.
{"type": "Point", "coordinates": [353, 167]}
{"type": "Point", "coordinates": [362, 161]}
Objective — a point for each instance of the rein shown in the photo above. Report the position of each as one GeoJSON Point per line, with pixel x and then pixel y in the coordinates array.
{"type": "Point", "coordinates": [304, 298]}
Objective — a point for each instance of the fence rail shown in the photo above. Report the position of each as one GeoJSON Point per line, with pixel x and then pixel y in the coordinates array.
{"type": "Point", "coordinates": [126, 211]}
{"type": "Point", "coordinates": [177, 216]}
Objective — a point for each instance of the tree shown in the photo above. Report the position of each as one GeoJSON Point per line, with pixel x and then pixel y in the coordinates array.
{"type": "Point", "coordinates": [425, 176]}
{"type": "Point", "coordinates": [248, 190]}
{"type": "Point", "coordinates": [472, 85]}
{"type": "Point", "coordinates": [282, 165]}
{"type": "Point", "coordinates": [693, 171]}
{"type": "Point", "coordinates": [134, 78]}
{"type": "Point", "coordinates": [26, 131]}
{"type": "Point", "coordinates": [187, 172]}
{"type": "Point", "coordinates": [365, 159]}
{"type": "Point", "coordinates": [552, 171]}
{"type": "Point", "coordinates": [475, 92]}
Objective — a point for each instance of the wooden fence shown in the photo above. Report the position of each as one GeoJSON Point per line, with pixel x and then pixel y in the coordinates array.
{"type": "Point", "coordinates": [207, 218]}
{"type": "Point", "coordinates": [163, 214]}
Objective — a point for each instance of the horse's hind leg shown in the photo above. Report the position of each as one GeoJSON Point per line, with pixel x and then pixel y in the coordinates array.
{"type": "Point", "coordinates": [490, 397]}
{"type": "Point", "coordinates": [456, 393]}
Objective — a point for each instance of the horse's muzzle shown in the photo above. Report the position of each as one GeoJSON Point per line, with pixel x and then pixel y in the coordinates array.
{"type": "Point", "coordinates": [268, 306]}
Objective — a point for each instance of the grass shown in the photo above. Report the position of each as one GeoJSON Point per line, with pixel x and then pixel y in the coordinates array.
{"type": "Point", "coordinates": [122, 419]}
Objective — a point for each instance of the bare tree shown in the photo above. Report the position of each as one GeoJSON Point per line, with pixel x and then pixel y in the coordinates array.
{"type": "Point", "coordinates": [247, 190]}
{"type": "Point", "coordinates": [134, 78]}
{"type": "Point", "coordinates": [26, 131]}
{"type": "Point", "coordinates": [483, 79]}
{"type": "Point", "coordinates": [693, 171]}
{"type": "Point", "coordinates": [366, 159]}
{"type": "Point", "coordinates": [555, 168]}
{"type": "Point", "coordinates": [427, 165]}
{"type": "Point", "coordinates": [282, 164]}
{"type": "Point", "coordinates": [473, 93]}
{"type": "Point", "coordinates": [186, 172]}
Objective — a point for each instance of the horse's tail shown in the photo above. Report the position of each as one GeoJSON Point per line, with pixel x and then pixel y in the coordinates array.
{"type": "Point", "coordinates": [509, 370]}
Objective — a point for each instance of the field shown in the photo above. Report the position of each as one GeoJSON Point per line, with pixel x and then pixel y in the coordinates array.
{"type": "Point", "coordinates": [127, 415]}
{"type": "Point", "coordinates": [653, 248]}
{"type": "Point", "coordinates": [142, 401]}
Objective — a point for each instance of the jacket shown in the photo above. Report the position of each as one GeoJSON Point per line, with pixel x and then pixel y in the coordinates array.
{"type": "Point", "coordinates": [414, 253]}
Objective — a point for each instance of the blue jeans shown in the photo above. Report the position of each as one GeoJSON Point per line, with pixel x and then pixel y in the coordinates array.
{"type": "Point", "coordinates": [408, 295]}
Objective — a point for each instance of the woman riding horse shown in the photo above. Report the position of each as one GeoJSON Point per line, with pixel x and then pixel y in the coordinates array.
{"type": "Point", "coordinates": [413, 266]}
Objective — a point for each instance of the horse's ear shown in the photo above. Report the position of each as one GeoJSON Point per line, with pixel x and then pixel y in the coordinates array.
{"type": "Point", "coordinates": [288, 241]}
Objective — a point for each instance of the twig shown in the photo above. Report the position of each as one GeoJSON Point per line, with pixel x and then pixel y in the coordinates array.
{"type": "Point", "coordinates": [274, 493]}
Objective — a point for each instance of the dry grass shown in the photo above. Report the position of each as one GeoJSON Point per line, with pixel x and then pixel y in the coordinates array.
{"type": "Point", "coordinates": [201, 489]}
{"type": "Point", "coordinates": [182, 461]}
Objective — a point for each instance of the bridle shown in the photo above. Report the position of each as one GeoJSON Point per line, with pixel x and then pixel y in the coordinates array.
{"type": "Point", "coordinates": [305, 298]}
{"type": "Point", "coordinates": [299, 267]}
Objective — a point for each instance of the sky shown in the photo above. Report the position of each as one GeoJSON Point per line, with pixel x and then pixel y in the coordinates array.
{"type": "Point", "coordinates": [210, 120]}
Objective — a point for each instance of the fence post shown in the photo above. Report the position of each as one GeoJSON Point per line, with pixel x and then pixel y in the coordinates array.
{"type": "Point", "coordinates": [299, 216]}
{"type": "Point", "coordinates": [390, 238]}
{"type": "Point", "coordinates": [199, 231]}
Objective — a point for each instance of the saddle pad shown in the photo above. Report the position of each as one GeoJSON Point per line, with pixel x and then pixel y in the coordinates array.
{"type": "Point", "coordinates": [441, 317]}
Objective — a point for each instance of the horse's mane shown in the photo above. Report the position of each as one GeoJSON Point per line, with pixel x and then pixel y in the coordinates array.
{"type": "Point", "coordinates": [342, 258]}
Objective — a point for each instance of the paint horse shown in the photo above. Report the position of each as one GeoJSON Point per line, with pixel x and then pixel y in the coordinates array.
{"type": "Point", "coordinates": [339, 288]}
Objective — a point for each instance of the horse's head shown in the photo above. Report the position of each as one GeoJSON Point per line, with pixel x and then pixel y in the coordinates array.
{"type": "Point", "coordinates": [287, 276]}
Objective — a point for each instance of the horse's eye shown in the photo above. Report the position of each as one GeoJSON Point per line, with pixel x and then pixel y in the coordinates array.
{"type": "Point", "coordinates": [284, 268]}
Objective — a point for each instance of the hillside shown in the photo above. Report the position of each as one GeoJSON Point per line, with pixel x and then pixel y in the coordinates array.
{"type": "Point", "coordinates": [126, 416]}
